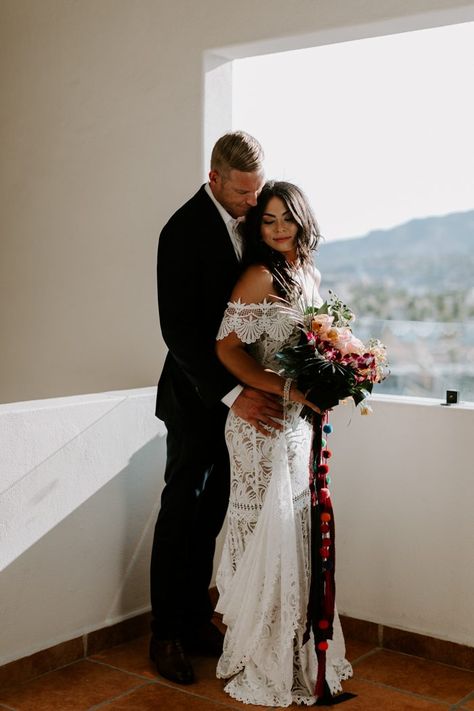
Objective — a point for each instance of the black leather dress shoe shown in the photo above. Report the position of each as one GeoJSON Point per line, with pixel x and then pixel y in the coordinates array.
{"type": "Point", "coordinates": [205, 639]}
{"type": "Point", "coordinates": [171, 661]}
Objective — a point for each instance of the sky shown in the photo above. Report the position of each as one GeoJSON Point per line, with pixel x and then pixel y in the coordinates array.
{"type": "Point", "coordinates": [376, 131]}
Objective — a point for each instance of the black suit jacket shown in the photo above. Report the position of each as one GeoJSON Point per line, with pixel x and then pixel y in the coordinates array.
{"type": "Point", "coordinates": [197, 269]}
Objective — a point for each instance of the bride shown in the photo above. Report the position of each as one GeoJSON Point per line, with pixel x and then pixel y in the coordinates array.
{"type": "Point", "coordinates": [264, 575]}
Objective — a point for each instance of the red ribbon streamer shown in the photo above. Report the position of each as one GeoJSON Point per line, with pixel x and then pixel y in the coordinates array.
{"type": "Point", "coordinates": [320, 611]}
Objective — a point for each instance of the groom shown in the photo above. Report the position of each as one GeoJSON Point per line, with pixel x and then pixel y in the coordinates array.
{"type": "Point", "coordinates": [198, 264]}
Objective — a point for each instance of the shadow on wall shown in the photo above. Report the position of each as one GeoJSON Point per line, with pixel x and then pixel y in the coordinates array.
{"type": "Point", "coordinates": [59, 454]}
{"type": "Point", "coordinates": [91, 569]}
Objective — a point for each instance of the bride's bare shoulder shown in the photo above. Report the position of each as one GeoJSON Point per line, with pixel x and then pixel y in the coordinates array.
{"type": "Point", "coordinates": [254, 285]}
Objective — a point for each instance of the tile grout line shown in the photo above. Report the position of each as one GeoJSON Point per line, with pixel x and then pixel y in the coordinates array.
{"type": "Point", "coordinates": [25, 682]}
{"type": "Point", "coordinates": [380, 635]}
{"type": "Point", "coordinates": [151, 682]}
{"type": "Point", "coordinates": [370, 653]}
{"type": "Point", "coordinates": [407, 692]}
{"type": "Point", "coordinates": [124, 694]}
{"type": "Point", "coordinates": [120, 669]}
{"type": "Point", "coordinates": [468, 697]}
{"type": "Point", "coordinates": [425, 659]}
{"type": "Point", "coordinates": [159, 681]}
{"type": "Point", "coordinates": [168, 685]}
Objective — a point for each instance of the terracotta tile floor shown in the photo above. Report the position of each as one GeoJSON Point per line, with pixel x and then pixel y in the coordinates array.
{"type": "Point", "coordinates": [123, 678]}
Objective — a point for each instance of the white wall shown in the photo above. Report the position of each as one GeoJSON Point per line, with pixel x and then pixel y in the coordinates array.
{"type": "Point", "coordinates": [403, 489]}
{"type": "Point", "coordinates": [79, 536]}
{"type": "Point", "coordinates": [102, 130]}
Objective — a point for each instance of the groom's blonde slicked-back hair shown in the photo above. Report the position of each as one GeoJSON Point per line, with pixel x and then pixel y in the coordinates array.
{"type": "Point", "coordinates": [237, 150]}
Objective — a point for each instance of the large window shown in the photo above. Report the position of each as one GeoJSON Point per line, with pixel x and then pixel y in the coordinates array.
{"type": "Point", "coordinates": [378, 132]}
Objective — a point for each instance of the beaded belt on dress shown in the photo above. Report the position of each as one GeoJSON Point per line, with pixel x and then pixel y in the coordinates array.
{"type": "Point", "coordinates": [256, 507]}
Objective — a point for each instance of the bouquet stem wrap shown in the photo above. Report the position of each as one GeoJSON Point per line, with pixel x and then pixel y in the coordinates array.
{"type": "Point", "coordinates": [320, 611]}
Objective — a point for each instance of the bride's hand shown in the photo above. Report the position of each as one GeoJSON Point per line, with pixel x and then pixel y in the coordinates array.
{"type": "Point", "coordinates": [297, 396]}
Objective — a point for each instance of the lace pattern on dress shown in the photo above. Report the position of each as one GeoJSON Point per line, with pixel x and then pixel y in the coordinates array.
{"type": "Point", "coordinates": [251, 321]}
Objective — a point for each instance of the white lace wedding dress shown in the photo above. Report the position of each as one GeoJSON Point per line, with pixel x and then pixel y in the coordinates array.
{"type": "Point", "coordinates": [264, 575]}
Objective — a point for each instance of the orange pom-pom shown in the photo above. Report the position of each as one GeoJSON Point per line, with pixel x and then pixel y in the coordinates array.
{"type": "Point", "coordinates": [325, 517]}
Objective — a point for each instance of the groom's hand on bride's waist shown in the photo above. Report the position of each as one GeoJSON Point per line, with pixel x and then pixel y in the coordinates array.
{"type": "Point", "coordinates": [262, 410]}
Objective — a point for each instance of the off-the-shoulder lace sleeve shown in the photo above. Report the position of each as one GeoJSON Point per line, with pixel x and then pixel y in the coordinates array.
{"type": "Point", "coordinates": [251, 321]}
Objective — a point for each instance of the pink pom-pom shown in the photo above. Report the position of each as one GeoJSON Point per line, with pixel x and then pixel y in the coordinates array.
{"type": "Point", "coordinates": [324, 495]}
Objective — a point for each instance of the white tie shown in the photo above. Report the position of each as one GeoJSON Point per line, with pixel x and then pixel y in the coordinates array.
{"type": "Point", "coordinates": [236, 236]}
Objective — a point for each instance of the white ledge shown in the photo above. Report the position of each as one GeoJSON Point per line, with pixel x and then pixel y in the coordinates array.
{"type": "Point", "coordinates": [117, 395]}
{"type": "Point", "coordinates": [74, 400]}
{"type": "Point", "coordinates": [421, 401]}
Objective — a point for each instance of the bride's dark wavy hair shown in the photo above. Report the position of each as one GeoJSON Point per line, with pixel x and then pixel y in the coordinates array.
{"type": "Point", "coordinates": [307, 238]}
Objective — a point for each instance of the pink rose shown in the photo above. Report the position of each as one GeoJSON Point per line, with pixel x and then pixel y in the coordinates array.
{"type": "Point", "coordinates": [344, 340]}
{"type": "Point", "coordinates": [321, 324]}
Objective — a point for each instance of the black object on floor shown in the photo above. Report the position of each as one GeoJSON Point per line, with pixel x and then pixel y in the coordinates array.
{"type": "Point", "coordinates": [328, 700]}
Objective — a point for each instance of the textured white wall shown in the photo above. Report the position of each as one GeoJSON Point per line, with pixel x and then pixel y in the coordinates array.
{"type": "Point", "coordinates": [102, 132]}
{"type": "Point", "coordinates": [58, 453]}
{"type": "Point", "coordinates": [81, 482]}
{"type": "Point", "coordinates": [403, 488]}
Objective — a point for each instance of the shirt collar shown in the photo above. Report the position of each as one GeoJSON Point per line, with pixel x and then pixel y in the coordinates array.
{"type": "Point", "coordinates": [222, 211]}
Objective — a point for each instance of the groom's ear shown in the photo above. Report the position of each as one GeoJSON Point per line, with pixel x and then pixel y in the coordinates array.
{"type": "Point", "coordinates": [213, 176]}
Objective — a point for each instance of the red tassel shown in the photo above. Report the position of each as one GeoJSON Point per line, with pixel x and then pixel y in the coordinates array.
{"type": "Point", "coordinates": [329, 597]}
{"type": "Point", "coordinates": [321, 678]}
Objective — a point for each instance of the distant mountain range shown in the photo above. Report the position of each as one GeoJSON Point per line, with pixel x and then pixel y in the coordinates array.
{"type": "Point", "coordinates": [428, 255]}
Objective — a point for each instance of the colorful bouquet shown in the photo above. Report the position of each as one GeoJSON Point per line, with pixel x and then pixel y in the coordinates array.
{"type": "Point", "coordinates": [331, 364]}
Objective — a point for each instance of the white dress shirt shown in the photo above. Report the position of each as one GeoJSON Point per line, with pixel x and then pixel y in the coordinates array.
{"type": "Point", "coordinates": [231, 223]}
